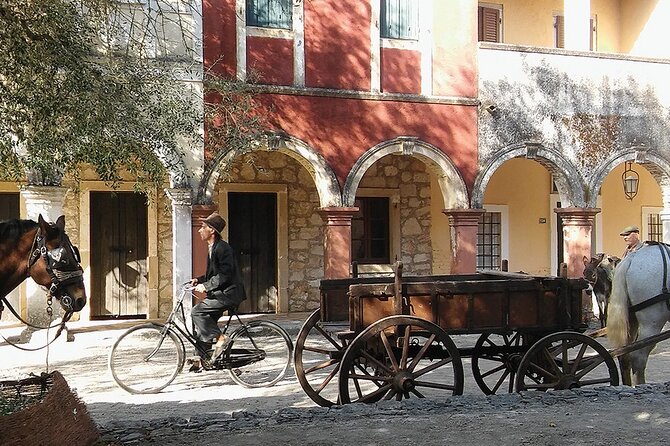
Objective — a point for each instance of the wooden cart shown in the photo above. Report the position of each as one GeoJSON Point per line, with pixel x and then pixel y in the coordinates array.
{"type": "Point", "coordinates": [394, 337]}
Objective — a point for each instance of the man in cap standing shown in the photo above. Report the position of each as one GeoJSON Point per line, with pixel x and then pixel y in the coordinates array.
{"type": "Point", "coordinates": [223, 286]}
{"type": "Point", "coordinates": [631, 235]}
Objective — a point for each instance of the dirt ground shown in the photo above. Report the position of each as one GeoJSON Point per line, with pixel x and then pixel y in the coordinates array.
{"type": "Point", "coordinates": [208, 408]}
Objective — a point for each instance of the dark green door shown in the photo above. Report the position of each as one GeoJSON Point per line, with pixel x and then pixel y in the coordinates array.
{"type": "Point", "coordinates": [118, 255]}
{"type": "Point", "coordinates": [252, 233]}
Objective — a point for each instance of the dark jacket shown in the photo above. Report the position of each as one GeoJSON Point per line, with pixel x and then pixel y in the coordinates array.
{"type": "Point", "coordinates": [222, 270]}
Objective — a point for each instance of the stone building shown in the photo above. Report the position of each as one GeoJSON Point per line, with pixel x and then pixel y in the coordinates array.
{"type": "Point", "coordinates": [446, 134]}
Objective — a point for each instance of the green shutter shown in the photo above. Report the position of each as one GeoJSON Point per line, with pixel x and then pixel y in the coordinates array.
{"type": "Point", "coordinates": [399, 19]}
{"type": "Point", "coordinates": [270, 13]}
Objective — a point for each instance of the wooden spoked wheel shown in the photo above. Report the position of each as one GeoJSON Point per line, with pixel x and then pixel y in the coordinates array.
{"type": "Point", "coordinates": [566, 360]}
{"type": "Point", "coordinates": [400, 357]}
{"type": "Point", "coordinates": [495, 360]}
{"type": "Point", "coordinates": [317, 360]}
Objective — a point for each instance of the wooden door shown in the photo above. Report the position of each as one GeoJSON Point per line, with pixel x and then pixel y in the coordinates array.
{"type": "Point", "coordinates": [252, 233]}
{"type": "Point", "coordinates": [9, 209]}
{"type": "Point", "coordinates": [118, 255]}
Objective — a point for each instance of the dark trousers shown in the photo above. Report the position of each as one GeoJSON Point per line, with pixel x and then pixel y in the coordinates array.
{"type": "Point", "coordinates": [205, 316]}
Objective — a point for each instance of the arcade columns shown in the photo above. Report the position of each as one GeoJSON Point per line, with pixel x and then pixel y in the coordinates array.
{"type": "Point", "coordinates": [577, 226]}
{"type": "Point", "coordinates": [48, 201]}
{"type": "Point", "coordinates": [337, 241]}
{"type": "Point", "coordinates": [463, 224]}
{"type": "Point", "coordinates": [199, 253]}
{"type": "Point", "coordinates": [182, 239]}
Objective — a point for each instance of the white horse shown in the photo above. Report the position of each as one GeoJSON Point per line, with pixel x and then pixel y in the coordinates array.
{"type": "Point", "coordinates": [638, 278]}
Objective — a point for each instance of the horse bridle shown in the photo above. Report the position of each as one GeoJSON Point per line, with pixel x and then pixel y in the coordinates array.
{"type": "Point", "coordinates": [62, 268]}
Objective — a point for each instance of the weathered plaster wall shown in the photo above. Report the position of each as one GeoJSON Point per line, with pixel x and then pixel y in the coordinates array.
{"type": "Point", "coordinates": [584, 107]}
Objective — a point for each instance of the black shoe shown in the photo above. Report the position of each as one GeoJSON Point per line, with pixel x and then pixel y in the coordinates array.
{"type": "Point", "coordinates": [198, 365]}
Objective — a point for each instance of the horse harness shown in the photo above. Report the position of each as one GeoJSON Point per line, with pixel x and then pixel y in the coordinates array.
{"type": "Point", "coordinates": [62, 269]}
{"type": "Point", "coordinates": [665, 293]}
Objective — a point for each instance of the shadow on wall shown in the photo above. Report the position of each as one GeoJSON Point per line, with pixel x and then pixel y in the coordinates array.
{"type": "Point", "coordinates": [595, 117]}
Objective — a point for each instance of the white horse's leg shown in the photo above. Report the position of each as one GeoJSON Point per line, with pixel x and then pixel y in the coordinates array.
{"type": "Point", "coordinates": [650, 322]}
{"type": "Point", "coordinates": [639, 360]}
{"type": "Point", "coordinates": [625, 366]}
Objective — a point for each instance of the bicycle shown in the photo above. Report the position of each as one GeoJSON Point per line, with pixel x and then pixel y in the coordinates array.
{"type": "Point", "coordinates": [148, 357]}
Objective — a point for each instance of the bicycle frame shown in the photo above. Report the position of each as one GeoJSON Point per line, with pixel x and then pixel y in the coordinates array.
{"type": "Point", "coordinates": [141, 367]}
{"type": "Point", "coordinates": [172, 323]}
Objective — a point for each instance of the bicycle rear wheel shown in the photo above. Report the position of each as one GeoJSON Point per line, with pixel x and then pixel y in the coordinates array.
{"type": "Point", "coordinates": [145, 359]}
{"type": "Point", "coordinates": [259, 354]}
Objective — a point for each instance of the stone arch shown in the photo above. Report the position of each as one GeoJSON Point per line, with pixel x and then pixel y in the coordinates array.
{"type": "Point", "coordinates": [451, 182]}
{"type": "Point", "coordinates": [567, 177]}
{"type": "Point", "coordinates": [657, 165]}
{"type": "Point", "coordinates": [324, 177]}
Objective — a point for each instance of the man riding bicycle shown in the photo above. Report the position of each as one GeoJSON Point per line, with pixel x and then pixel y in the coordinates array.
{"type": "Point", "coordinates": [224, 289]}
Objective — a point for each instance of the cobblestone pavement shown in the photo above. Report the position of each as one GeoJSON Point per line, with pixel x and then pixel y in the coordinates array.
{"type": "Point", "coordinates": [606, 416]}
{"type": "Point", "coordinates": [208, 408]}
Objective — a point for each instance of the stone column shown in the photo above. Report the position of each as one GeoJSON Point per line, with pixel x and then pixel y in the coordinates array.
{"type": "Point", "coordinates": [577, 14]}
{"type": "Point", "coordinates": [47, 201]}
{"type": "Point", "coordinates": [182, 239]}
{"type": "Point", "coordinates": [337, 241]}
{"type": "Point", "coordinates": [464, 224]}
{"type": "Point", "coordinates": [665, 220]}
{"type": "Point", "coordinates": [577, 226]}
{"type": "Point", "coordinates": [199, 253]}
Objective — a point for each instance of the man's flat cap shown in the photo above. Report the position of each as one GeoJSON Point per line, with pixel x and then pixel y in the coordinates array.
{"type": "Point", "coordinates": [630, 229]}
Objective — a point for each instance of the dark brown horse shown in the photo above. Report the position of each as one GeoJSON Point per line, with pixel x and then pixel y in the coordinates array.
{"type": "Point", "coordinates": [43, 251]}
{"type": "Point", "coordinates": [598, 272]}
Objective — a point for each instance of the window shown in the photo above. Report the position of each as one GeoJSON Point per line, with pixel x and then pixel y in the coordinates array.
{"type": "Point", "coordinates": [490, 23]}
{"type": "Point", "coordinates": [399, 19]}
{"type": "Point", "coordinates": [489, 241]}
{"type": "Point", "coordinates": [370, 230]}
{"type": "Point", "coordinates": [559, 32]}
{"type": "Point", "coordinates": [270, 13]}
{"type": "Point", "coordinates": [653, 226]}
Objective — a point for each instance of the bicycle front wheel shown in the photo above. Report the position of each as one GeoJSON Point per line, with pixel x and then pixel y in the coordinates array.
{"type": "Point", "coordinates": [146, 358]}
{"type": "Point", "coordinates": [259, 354]}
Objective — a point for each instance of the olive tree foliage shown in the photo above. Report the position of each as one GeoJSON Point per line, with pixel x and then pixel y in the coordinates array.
{"type": "Point", "coordinates": [81, 84]}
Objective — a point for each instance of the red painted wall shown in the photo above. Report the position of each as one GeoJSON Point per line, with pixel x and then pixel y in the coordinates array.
{"type": "Point", "coordinates": [400, 71]}
{"type": "Point", "coordinates": [337, 44]}
{"type": "Point", "coordinates": [343, 129]}
{"type": "Point", "coordinates": [270, 60]}
{"type": "Point", "coordinates": [220, 41]}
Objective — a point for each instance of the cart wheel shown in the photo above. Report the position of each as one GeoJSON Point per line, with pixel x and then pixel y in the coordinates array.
{"type": "Point", "coordinates": [398, 357]}
{"type": "Point", "coordinates": [566, 360]}
{"type": "Point", "coordinates": [495, 360]}
{"type": "Point", "coordinates": [317, 360]}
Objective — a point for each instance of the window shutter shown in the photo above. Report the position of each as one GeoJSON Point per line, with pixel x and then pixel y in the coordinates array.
{"type": "Point", "coordinates": [592, 34]}
{"type": "Point", "coordinates": [489, 24]}
{"type": "Point", "coordinates": [559, 31]}
{"type": "Point", "coordinates": [270, 13]}
{"type": "Point", "coordinates": [399, 19]}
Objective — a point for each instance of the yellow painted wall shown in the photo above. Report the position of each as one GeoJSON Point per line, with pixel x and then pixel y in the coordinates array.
{"type": "Point", "coordinates": [529, 22]}
{"type": "Point", "coordinates": [524, 186]}
{"type": "Point", "coordinates": [618, 212]}
{"type": "Point", "coordinates": [440, 233]}
{"type": "Point", "coordinates": [644, 26]}
{"type": "Point", "coordinates": [608, 24]}
{"type": "Point", "coordinates": [623, 26]}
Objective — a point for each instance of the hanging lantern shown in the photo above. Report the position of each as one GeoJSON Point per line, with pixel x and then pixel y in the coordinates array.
{"type": "Point", "coordinates": [631, 181]}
